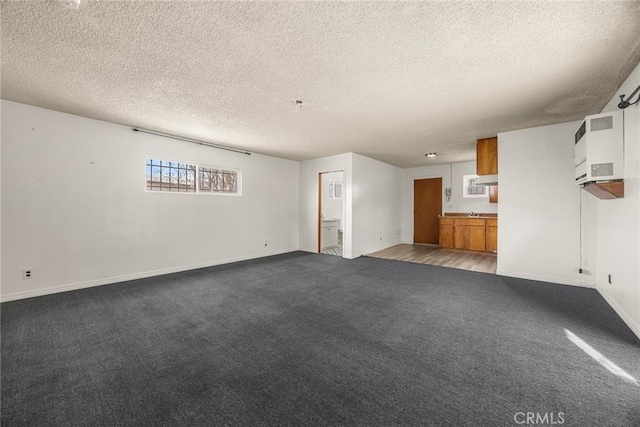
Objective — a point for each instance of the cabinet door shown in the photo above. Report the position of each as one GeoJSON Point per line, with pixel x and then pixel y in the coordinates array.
{"type": "Point", "coordinates": [477, 238]}
{"type": "Point", "coordinates": [492, 238]}
{"type": "Point", "coordinates": [487, 156]}
{"type": "Point", "coordinates": [329, 237]}
{"type": "Point", "coordinates": [493, 194]}
{"type": "Point", "coordinates": [446, 235]}
{"type": "Point", "coordinates": [461, 237]}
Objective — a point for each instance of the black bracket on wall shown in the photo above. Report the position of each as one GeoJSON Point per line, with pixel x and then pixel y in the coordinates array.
{"type": "Point", "coordinates": [624, 104]}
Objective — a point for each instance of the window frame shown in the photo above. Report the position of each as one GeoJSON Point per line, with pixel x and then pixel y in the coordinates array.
{"type": "Point", "coordinates": [466, 180]}
{"type": "Point", "coordinates": [198, 166]}
{"type": "Point", "coordinates": [162, 159]}
{"type": "Point", "coordinates": [219, 193]}
{"type": "Point", "coordinates": [332, 189]}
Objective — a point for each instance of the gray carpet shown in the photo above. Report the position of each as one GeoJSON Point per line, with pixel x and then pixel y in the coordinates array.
{"type": "Point", "coordinates": [304, 339]}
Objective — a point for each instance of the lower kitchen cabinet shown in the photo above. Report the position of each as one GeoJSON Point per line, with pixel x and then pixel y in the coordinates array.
{"type": "Point", "coordinates": [446, 233]}
{"type": "Point", "coordinates": [477, 241]}
{"type": "Point", "coordinates": [492, 235]}
{"type": "Point", "coordinates": [472, 234]}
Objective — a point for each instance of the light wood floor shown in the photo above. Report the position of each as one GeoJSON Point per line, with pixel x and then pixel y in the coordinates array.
{"type": "Point", "coordinates": [434, 255]}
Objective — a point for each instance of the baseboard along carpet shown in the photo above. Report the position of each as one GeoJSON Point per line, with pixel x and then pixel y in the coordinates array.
{"type": "Point", "coordinates": [307, 339]}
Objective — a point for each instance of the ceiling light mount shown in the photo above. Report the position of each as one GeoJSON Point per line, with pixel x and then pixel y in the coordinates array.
{"type": "Point", "coordinates": [432, 154]}
{"type": "Point", "coordinates": [70, 4]}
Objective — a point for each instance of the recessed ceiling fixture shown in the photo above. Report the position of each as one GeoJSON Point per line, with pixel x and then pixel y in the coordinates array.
{"type": "Point", "coordinates": [431, 154]}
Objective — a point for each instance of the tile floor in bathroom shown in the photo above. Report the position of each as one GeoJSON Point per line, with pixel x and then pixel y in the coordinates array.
{"type": "Point", "coordinates": [333, 250]}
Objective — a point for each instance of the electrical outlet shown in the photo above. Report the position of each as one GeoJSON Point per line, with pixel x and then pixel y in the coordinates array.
{"type": "Point", "coordinates": [26, 274]}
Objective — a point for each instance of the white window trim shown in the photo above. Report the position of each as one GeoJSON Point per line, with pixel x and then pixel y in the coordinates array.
{"type": "Point", "coordinates": [197, 165]}
{"type": "Point", "coordinates": [332, 191]}
{"type": "Point", "coordinates": [217, 193]}
{"type": "Point", "coordinates": [465, 184]}
{"type": "Point", "coordinates": [164, 159]}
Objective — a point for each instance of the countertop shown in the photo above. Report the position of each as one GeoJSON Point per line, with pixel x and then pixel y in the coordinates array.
{"type": "Point", "coordinates": [466, 215]}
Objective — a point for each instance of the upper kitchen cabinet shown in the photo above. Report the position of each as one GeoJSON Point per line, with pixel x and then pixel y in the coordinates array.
{"type": "Point", "coordinates": [487, 156]}
{"type": "Point", "coordinates": [493, 194]}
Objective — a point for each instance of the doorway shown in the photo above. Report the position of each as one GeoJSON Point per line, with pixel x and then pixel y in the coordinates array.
{"type": "Point", "coordinates": [331, 212]}
{"type": "Point", "coordinates": [427, 205]}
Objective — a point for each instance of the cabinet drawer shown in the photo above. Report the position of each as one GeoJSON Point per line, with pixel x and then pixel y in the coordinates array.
{"type": "Point", "coordinates": [492, 223]}
{"type": "Point", "coordinates": [469, 221]}
{"type": "Point", "coordinates": [446, 221]}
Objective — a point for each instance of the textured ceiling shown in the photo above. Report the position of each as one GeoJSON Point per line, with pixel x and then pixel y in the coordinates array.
{"type": "Point", "coordinates": [389, 80]}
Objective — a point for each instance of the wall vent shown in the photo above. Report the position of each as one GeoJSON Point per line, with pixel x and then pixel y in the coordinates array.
{"type": "Point", "coordinates": [602, 169]}
{"type": "Point", "coordinates": [602, 123]}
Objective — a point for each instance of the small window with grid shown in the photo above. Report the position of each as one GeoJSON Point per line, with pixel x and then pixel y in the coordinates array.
{"type": "Point", "coordinates": [470, 190]}
{"type": "Point", "coordinates": [219, 180]}
{"type": "Point", "coordinates": [164, 175]}
{"type": "Point", "coordinates": [335, 190]}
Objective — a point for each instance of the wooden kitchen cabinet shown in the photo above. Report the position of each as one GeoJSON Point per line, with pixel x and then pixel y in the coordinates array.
{"type": "Point", "coordinates": [477, 238]}
{"type": "Point", "coordinates": [472, 234]}
{"type": "Point", "coordinates": [492, 235]}
{"type": "Point", "coordinates": [446, 233]}
{"type": "Point", "coordinates": [461, 236]}
{"type": "Point", "coordinates": [493, 194]}
{"type": "Point", "coordinates": [469, 234]}
{"type": "Point", "coordinates": [487, 156]}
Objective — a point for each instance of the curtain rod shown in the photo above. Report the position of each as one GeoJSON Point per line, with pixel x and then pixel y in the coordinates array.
{"type": "Point", "coordinates": [194, 141]}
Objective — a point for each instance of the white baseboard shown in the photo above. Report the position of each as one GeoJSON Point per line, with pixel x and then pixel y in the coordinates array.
{"type": "Point", "coordinates": [632, 324]}
{"type": "Point", "coordinates": [312, 250]}
{"type": "Point", "coordinates": [134, 276]}
{"type": "Point", "coordinates": [346, 255]}
{"type": "Point", "coordinates": [548, 279]}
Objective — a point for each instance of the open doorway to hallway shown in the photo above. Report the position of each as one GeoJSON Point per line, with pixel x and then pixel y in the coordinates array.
{"type": "Point", "coordinates": [331, 212]}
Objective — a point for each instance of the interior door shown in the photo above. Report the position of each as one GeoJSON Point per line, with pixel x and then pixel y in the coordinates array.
{"type": "Point", "coordinates": [427, 205]}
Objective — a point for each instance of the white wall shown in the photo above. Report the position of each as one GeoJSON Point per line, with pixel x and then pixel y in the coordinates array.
{"type": "Point", "coordinates": [618, 221]}
{"type": "Point", "coordinates": [539, 208]}
{"type": "Point", "coordinates": [376, 205]}
{"type": "Point", "coordinates": [75, 209]}
{"type": "Point", "coordinates": [1, 105]}
{"type": "Point", "coordinates": [309, 170]}
{"type": "Point", "coordinates": [458, 203]}
{"type": "Point", "coordinates": [451, 174]}
{"type": "Point", "coordinates": [332, 208]}
{"type": "Point", "coordinates": [372, 203]}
